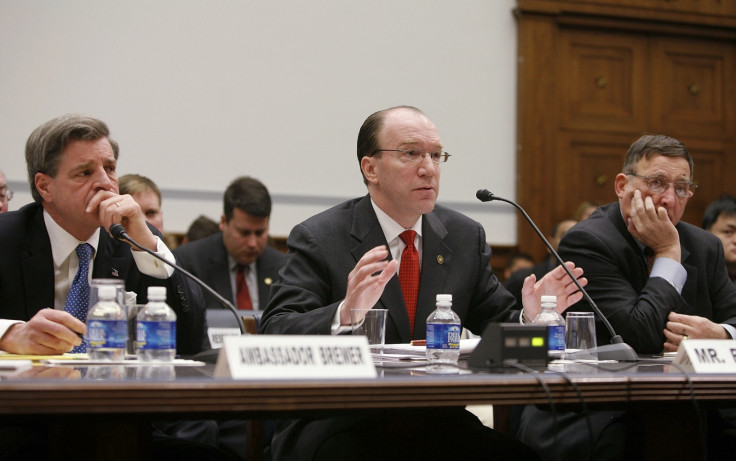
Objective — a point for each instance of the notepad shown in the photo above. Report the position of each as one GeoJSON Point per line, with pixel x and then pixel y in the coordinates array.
{"type": "Point", "coordinates": [12, 366]}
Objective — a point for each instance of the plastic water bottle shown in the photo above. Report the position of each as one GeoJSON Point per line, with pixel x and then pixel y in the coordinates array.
{"type": "Point", "coordinates": [107, 327]}
{"type": "Point", "coordinates": [156, 329]}
{"type": "Point", "coordinates": [443, 333]}
{"type": "Point", "coordinates": [555, 326]}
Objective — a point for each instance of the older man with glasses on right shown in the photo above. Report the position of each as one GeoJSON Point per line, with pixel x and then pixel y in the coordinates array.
{"type": "Point", "coordinates": [5, 193]}
{"type": "Point", "coordinates": [658, 280]}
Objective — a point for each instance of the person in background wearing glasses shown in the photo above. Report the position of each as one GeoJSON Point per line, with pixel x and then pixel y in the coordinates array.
{"type": "Point", "coordinates": [6, 194]}
{"type": "Point", "coordinates": [658, 280]}
{"type": "Point", "coordinates": [720, 220]}
{"type": "Point", "coordinates": [347, 258]}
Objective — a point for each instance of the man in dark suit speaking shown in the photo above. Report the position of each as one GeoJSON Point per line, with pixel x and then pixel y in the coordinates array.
{"type": "Point", "coordinates": [71, 163]}
{"type": "Point", "coordinates": [347, 257]}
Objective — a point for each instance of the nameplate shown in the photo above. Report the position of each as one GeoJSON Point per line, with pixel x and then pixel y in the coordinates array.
{"type": "Point", "coordinates": [706, 356]}
{"type": "Point", "coordinates": [256, 357]}
{"type": "Point", "coordinates": [217, 334]}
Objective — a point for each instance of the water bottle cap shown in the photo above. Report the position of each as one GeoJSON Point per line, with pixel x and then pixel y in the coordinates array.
{"type": "Point", "coordinates": [445, 298]}
{"type": "Point", "coordinates": [156, 292]}
{"type": "Point", "coordinates": [549, 299]}
{"type": "Point", "coordinates": [106, 292]}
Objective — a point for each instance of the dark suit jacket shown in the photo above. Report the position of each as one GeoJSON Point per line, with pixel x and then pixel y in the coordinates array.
{"type": "Point", "coordinates": [636, 305]}
{"type": "Point", "coordinates": [27, 275]}
{"type": "Point", "coordinates": [207, 259]}
{"type": "Point", "coordinates": [326, 247]}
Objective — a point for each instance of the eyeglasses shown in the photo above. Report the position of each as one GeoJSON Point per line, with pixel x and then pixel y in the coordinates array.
{"type": "Point", "coordinates": [415, 156]}
{"type": "Point", "coordinates": [6, 194]}
{"type": "Point", "coordinates": [659, 184]}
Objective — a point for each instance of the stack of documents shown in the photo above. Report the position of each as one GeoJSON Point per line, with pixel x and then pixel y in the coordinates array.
{"type": "Point", "coordinates": [418, 353]}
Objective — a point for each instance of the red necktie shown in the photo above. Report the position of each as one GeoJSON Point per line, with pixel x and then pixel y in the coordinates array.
{"type": "Point", "coordinates": [409, 275]}
{"type": "Point", "coordinates": [242, 290]}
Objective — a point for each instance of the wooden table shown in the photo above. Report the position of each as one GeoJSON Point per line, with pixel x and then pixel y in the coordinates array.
{"type": "Point", "coordinates": [119, 409]}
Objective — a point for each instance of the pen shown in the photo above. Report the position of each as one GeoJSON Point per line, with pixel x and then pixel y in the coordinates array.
{"type": "Point", "coordinates": [418, 342]}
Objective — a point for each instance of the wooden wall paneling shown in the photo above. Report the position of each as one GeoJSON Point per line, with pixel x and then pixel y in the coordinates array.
{"type": "Point", "coordinates": [596, 74]}
{"type": "Point", "coordinates": [715, 173]}
{"type": "Point", "coordinates": [536, 126]}
{"type": "Point", "coordinates": [602, 80]}
{"type": "Point", "coordinates": [589, 163]}
{"type": "Point", "coordinates": [718, 15]}
{"type": "Point", "coordinates": [692, 86]}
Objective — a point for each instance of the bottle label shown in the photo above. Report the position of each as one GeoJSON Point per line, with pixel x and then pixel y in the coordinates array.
{"type": "Point", "coordinates": [443, 336]}
{"type": "Point", "coordinates": [107, 334]}
{"type": "Point", "coordinates": [556, 337]}
{"type": "Point", "coordinates": [156, 335]}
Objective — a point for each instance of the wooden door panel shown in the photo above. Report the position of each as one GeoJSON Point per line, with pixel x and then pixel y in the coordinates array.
{"type": "Point", "coordinates": [715, 173]}
{"type": "Point", "coordinates": [601, 84]}
{"type": "Point", "coordinates": [692, 86]}
{"type": "Point", "coordinates": [587, 169]}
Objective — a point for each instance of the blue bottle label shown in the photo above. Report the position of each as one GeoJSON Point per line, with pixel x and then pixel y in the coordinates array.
{"type": "Point", "coordinates": [443, 336]}
{"type": "Point", "coordinates": [156, 335]}
{"type": "Point", "coordinates": [107, 334]}
{"type": "Point", "coordinates": [556, 338]}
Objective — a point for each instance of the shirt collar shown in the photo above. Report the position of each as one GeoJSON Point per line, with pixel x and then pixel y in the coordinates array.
{"type": "Point", "coordinates": [62, 242]}
{"type": "Point", "coordinates": [392, 229]}
{"type": "Point", "coordinates": [233, 265]}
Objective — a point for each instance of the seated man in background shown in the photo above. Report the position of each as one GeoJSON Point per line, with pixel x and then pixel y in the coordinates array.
{"type": "Point", "coordinates": [147, 194]}
{"type": "Point", "coordinates": [657, 279]}
{"type": "Point", "coordinates": [720, 220]}
{"type": "Point", "coordinates": [348, 257]}
{"type": "Point", "coordinates": [236, 262]}
{"type": "Point", "coordinates": [200, 228]}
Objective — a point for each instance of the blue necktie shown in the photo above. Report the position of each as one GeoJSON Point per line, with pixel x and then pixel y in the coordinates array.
{"type": "Point", "coordinates": [78, 298]}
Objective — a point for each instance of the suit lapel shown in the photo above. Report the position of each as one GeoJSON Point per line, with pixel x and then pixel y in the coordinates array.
{"type": "Point", "coordinates": [267, 271]}
{"type": "Point", "coordinates": [108, 264]}
{"type": "Point", "coordinates": [436, 260]}
{"type": "Point", "coordinates": [436, 263]}
{"type": "Point", "coordinates": [219, 270]}
{"type": "Point", "coordinates": [368, 233]}
{"type": "Point", "coordinates": [37, 265]}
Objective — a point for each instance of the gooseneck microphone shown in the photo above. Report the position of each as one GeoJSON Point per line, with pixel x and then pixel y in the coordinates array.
{"type": "Point", "coordinates": [118, 231]}
{"type": "Point", "coordinates": [618, 349]}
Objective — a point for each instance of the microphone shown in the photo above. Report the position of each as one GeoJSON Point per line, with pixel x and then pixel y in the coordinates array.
{"type": "Point", "coordinates": [118, 231]}
{"type": "Point", "coordinates": [618, 349]}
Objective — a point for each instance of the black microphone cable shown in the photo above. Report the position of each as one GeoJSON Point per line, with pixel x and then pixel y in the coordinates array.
{"type": "Point", "coordinates": [534, 373]}
{"type": "Point", "coordinates": [118, 231]}
{"type": "Point", "coordinates": [688, 381]}
{"type": "Point", "coordinates": [618, 348]}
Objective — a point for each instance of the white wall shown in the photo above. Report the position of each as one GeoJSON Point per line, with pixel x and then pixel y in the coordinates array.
{"type": "Point", "coordinates": [199, 92]}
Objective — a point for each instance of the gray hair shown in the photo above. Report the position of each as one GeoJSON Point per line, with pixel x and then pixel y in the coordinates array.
{"type": "Point", "coordinates": [47, 142]}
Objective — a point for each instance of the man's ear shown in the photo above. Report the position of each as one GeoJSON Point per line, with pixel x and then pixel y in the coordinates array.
{"type": "Point", "coordinates": [223, 221]}
{"type": "Point", "coordinates": [620, 184]}
{"type": "Point", "coordinates": [368, 166]}
{"type": "Point", "coordinates": [43, 185]}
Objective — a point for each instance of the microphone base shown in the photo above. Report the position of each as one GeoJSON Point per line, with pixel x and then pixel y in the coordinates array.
{"type": "Point", "coordinates": [621, 352]}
